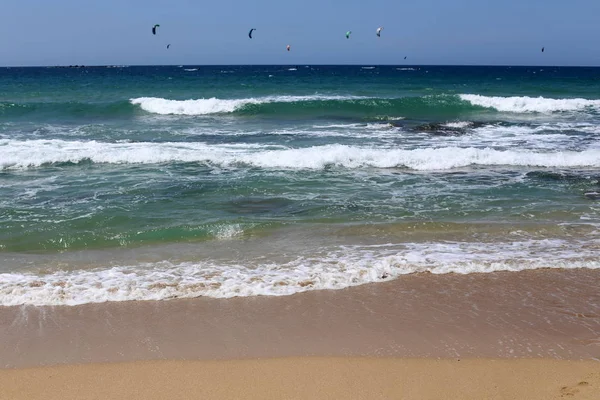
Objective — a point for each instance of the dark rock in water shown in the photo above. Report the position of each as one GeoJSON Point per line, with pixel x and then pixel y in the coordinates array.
{"type": "Point", "coordinates": [396, 124]}
{"type": "Point", "coordinates": [449, 128]}
{"type": "Point", "coordinates": [592, 195]}
{"type": "Point", "coordinates": [444, 129]}
{"type": "Point", "coordinates": [429, 127]}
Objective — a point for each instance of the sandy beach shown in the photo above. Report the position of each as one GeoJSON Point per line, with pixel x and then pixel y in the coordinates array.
{"type": "Point", "coordinates": [530, 334]}
{"type": "Point", "coordinates": [309, 378]}
{"type": "Point", "coordinates": [375, 229]}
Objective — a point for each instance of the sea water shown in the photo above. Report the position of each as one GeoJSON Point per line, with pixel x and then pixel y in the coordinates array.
{"type": "Point", "coordinates": [140, 183]}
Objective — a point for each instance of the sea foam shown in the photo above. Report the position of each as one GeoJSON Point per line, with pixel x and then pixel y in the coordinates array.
{"type": "Point", "coordinates": [341, 268]}
{"type": "Point", "coordinates": [214, 105]}
{"type": "Point", "coordinates": [530, 104]}
{"type": "Point", "coordinates": [35, 153]}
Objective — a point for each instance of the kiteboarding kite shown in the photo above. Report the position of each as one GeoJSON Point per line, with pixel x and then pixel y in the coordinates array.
{"type": "Point", "coordinates": [169, 45]}
{"type": "Point", "coordinates": [154, 29]}
{"type": "Point", "coordinates": [543, 49]}
{"type": "Point", "coordinates": [379, 31]}
{"type": "Point", "coordinates": [288, 47]}
{"type": "Point", "coordinates": [348, 34]}
{"type": "Point", "coordinates": [250, 33]}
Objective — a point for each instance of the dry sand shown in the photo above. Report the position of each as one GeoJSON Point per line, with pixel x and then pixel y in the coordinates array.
{"type": "Point", "coordinates": [308, 378]}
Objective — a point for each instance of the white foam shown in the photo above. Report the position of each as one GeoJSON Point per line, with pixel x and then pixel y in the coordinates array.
{"type": "Point", "coordinates": [34, 153]}
{"type": "Point", "coordinates": [227, 231]}
{"type": "Point", "coordinates": [341, 126]}
{"type": "Point", "coordinates": [341, 268]}
{"type": "Point", "coordinates": [188, 107]}
{"type": "Point", "coordinates": [565, 126]}
{"type": "Point", "coordinates": [539, 138]}
{"type": "Point", "coordinates": [530, 104]}
{"type": "Point", "coordinates": [213, 105]}
{"type": "Point", "coordinates": [356, 126]}
{"type": "Point", "coordinates": [458, 124]}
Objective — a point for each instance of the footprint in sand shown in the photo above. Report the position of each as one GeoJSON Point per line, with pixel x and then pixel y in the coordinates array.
{"type": "Point", "coordinates": [584, 389]}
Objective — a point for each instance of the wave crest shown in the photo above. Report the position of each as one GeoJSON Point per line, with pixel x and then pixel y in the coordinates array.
{"type": "Point", "coordinates": [530, 104]}
{"type": "Point", "coordinates": [36, 153]}
{"type": "Point", "coordinates": [157, 105]}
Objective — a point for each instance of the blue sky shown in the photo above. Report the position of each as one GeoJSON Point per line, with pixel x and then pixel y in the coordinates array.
{"type": "Point", "coordinates": [508, 32]}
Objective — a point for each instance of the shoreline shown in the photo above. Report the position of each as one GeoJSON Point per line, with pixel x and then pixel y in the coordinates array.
{"type": "Point", "coordinates": [552, 314]}
{"type": "Point", "coordinates": [306, 377]}
{"type": "Point", "coordinates": [522, 335]}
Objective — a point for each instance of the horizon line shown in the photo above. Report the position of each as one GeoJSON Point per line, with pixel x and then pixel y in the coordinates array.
{"type": "Point", "coordinates": [296, 64]}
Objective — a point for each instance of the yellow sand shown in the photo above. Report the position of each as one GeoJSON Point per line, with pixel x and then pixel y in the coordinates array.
{"type": "Point", "coordinates": [309, 378]}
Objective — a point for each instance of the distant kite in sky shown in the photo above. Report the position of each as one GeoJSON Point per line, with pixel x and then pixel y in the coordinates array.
{"type": "Point", "coordinates": [154, 29]}
{"type": "Point", "coordinates": [543, 49]}
{"type": "Point", "coordinates": [250, 33]}
{"type": "Point", "coordinates": [169, 45]}
{"type": "Point", "coordinates": [379, 31]}
{"type": "Point", "coordinates": [288, 47]}
{"type": "Point", "coordinates": [348, 34]}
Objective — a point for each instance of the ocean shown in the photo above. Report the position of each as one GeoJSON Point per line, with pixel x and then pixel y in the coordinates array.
{"type": "Point", "coordinates": [158, 182]}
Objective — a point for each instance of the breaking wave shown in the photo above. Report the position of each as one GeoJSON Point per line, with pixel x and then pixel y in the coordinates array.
{"type": "Point", "coordinates": [442, 105]}
{"type": "Point", "coordinates": [337, 269]}
{"type": "Point", "coordinates": [36, 153]}
{"type": "Point", "coordinates": [530, 104]}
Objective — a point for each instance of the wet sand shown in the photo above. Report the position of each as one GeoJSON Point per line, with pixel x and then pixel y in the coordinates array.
{"type": "Point", "coordinates": [508, 335]}
{"type": "Point", "coordinates": [551, 314]}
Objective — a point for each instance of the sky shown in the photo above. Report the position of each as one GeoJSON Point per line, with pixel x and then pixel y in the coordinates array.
{"type": "Point", "coordinates": [427, 32]}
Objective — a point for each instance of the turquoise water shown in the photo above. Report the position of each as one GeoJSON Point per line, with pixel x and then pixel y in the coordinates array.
{"type": "Point", "coordinates": [121, 183]}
